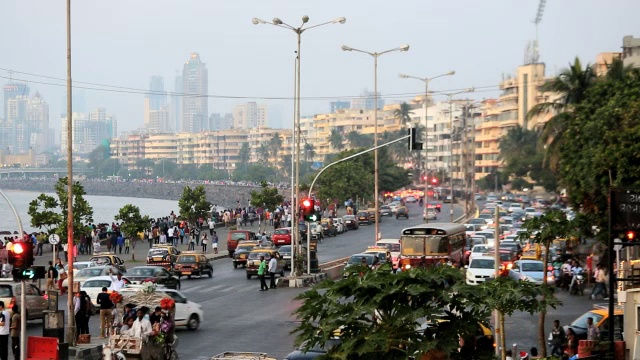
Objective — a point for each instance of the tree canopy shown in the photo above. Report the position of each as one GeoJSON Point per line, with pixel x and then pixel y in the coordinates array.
{"type": "Point", "coordinates": [131, 221]}
{"type": "Point", "coordinates": [268, 197]}
{"type": "Point", "coordinates": [193, 204]}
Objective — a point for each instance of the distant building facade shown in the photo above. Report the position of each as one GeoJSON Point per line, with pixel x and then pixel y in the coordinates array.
{"type": "Point", "coordinates": [339, 105]}
{"type": "Point", "coordinates": [366, 101]}
{"type": "Point", "coordinates": [195, 110]}
{"type": "Point", "coordinates": [26, 125]}
{"type": "Point", "coordinates": [631, 51]}
{"type": "Point", "coordinates": [249, 115]}
{"type": "Point", "coordinates": [89, 130]}
{"type": "Point", "coordinates": [220, 121]}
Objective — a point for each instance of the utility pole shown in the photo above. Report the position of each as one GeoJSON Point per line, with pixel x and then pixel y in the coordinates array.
{"type": "Point", "coordinates": [71, 329]}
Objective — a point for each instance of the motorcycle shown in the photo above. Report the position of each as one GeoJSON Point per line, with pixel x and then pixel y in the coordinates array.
{"type": "Point", "coordinates": [578, 284]}
{"type": "Point", "coordinates": [557, 274]}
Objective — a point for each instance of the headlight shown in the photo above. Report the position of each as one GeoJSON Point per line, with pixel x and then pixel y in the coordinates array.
{"type": "Point", "coordinates": [408, 266]}
{"type": "Point", "coordinates": [550, 278]}
{"type": "Point", "coordinates": [509, 266]}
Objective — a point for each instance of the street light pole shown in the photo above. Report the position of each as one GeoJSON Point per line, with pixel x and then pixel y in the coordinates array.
{"type": "Point", "coordinates": [426, 129]}
{"type": "Point", "coordinates": [375, 56]}
{"type": "Point", "coordinates": [296, 133]}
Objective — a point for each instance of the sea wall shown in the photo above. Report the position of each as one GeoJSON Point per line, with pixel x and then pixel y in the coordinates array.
{"type": "Point", "coordinates": [221, 195]}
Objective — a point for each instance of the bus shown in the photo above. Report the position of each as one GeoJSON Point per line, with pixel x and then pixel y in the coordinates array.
{"type": "Point", "coordinates": [432, 242]}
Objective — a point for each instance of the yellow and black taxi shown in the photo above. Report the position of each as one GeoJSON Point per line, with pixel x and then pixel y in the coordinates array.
{"type": "Point", "coordinates": [242, 253]}
{"type": "Point", "coordinates": [363, 217]}
{"type": "Point", "coordinates": [600, 316]}
{"type": "Point", "coordinates": [253, 261]}
{"type": "Point", "coordinates": [108, 258]}
{"type": "Point", "coordinates": [191, 263]}
{"type": "Point", "coordinates": [328, 228]}
{"type": "Point", "coordinates": [402, 211]}
{"type": "Point", "coordinates": [372, 214]}
{"type": "Point", "coordinates": [162, 255]}
{"type": "Point", "coordinates": [379, 251]}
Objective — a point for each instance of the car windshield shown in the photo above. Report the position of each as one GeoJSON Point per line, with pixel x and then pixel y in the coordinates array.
{"type": "Point", "coordinates": [363, 214]}
{"type": "Point", "coordinates": [391, 247]}
{"type": "Point", "coordinates": [505, 257]}
{"type": "Point", "coordinates": [281, 232]}
{"type": "Point", "coordinates": [158, 252]}
{"type": "Point", "coordinates": [348, 217]}
{"type": "Point", "coordinates": [89, 272]}
{"type": "Point", "coordinates": [486, 216]}
{"type": "Point", "coordinates": [186, 259]}
{"type": "Point", "coordinates": [357, 259]}
{"type": "Point", "coordinates": [423, 245]}
{"type": "Point", "coordinates": [478, 221]}
{"type": "Point", "coordinates": [581, 322]}
{"type": "Point", "coordinates": [239, 236]}
{"type": "Point", "coordinates": [532, 266]}
{"type": "Point", "coordinates": [479, 249]}
{"type": "Point", "coordinates": [244, 248]}
{"type": "Point", "coordinates": [5, 291]}
{"type": "Point", "coordinates": [481, 264]}
{"type": "Point", "coordinates": [140, 272]}
{"type": "Point", "coordinates": [256, 255]}
{"type": "Point", "coordinates": [285, 249]}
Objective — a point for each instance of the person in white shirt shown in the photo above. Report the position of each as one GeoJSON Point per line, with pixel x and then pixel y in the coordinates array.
{"type": "Point", "coordinates": [6, 269]}
{"type": "Point", "coordinates": [5, 321]}
{"type": "Point", "coordinates": [141, 327]}
{"type": "Point", "coordinates": [171, 234]}
{"type": "Point", "coordinates": [273, 264]}
{"type": "Point", "coordinates": [117, 282]}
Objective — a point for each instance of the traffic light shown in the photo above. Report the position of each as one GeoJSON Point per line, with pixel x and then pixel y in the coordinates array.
{"type": "Point", "coordinates": [413, 143]}
{"type": "Point", "coordinates": [21, 255]}
{"type": "Point", "coordinates": [434, 181]}
{"type": "Point", "coordinates": [630, 235]}
{"type": "Point", "coordinates": [315, 217]}
{"type": "Point", "coordinates": [308, 208]}
{"type": "Point", "coordinates": [30, 273]}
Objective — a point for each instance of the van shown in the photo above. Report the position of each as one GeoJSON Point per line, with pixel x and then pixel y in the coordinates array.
{"type": "Point", "coordinates": [235, 236]}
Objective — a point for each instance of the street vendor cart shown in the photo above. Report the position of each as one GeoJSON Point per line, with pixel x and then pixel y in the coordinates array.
{"type": "Point", "coordinates": [161, 345]}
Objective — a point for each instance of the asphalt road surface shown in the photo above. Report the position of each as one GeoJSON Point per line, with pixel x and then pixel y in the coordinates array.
{"type": "Point", "coordinates": [240, 318]}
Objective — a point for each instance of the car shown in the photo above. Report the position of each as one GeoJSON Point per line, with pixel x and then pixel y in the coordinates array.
{"type": "Point", "coordinates": [436, 205]}
{"type": "Point", "coordinates": [492, 198]}
{"type": "Point", "coordinates": [356, 259]}
{"type": "Point", "coordinates": [487, 217]}
{"type": "Point", "coordinates": [372, 215]}
{"type": "Point", "coordinates": [410, 199]}
{"type": "Point", "coordinates": [479, 197]}
{"type": "Point", "coordinates": [479, 250]}
{"type": "Point", "coordinates": [363, 218]}
{"type": "Point", "coordinates": [94, 285]}
{"type": "Point", "coordinates": [314, 352]}
{"type": "Point", "coordinates": [402, 212]}
{"type": "Point", "coordinates": [379, 251]}
{"type": "Point", "coordinates": [478, 221]}
{"type": "Point", "coordinates": [328, 229]}
{"type": "Point", "coordinates": [79, 265]}
{"type": "Point", "coordinates": [281, 236]}
{"type": "Point", "coordinates": [253, 261]}
{"type": "Point", "coordinates": [317, 233]}
{"type": "Point", "coordinates": [514, 246]}
{"type": "Point", "coordinates": [600, 316]}
{"type": "Point", "coordinates": [393, 247]}
{"type": "Point", "coordinates": [36, 300]}
{"type": "Point", "coordinates": [108, 259]}
{"type": "Point", "coordinates": [514, 207]}
{"type": "Point", "coordinates": [162, 255]}
{"type": "Point", "coordinates": [470, 229]}
{"type": "Point", "coordinates": [530, 270]}
{"type": "Point", "coordinates": [448, 199]}
{"type": "Point", "coordinates": [156, 274]}
{"type": "Point", "coordinates": [531, 212]}
{"type": "Point", "coordinates": [429, 214]}
{"type": "Point", "coordinates": [187, 313]}
{"type": "Point", "coordinates": [242, 253]}
{"type": "Point", "coordinates": [351, 222]}
{"type": "Point", "coordinates": [191, 263]}
{"type": "Point", "coordinates": [489, 234]}
{"type": "Point", "coordinates": [90, 272]}
{"type": "Point", "coordinates": [480, 269]}
{"type": "Point", "coordinates": [385, 210]}
{"type": "Point", "coordinates": [235, 236]}
{"type": "Point", "coordinates": [339, 225]}
{"type": "Point", "coordinates": [394, 207]}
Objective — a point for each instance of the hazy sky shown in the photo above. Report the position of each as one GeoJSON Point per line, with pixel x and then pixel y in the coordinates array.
{"type": "Point", "coordinates": [123, 43]}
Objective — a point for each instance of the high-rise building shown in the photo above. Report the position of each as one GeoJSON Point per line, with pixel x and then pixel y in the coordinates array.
{"type": "Point", "coordinates": [338, 105]}
{"type": "Point", "coordinates": [156, 121]}
{"type": "Point", "coordinates": [176, 103]}
{"type": "Point", "coordinates": [157, 97]}
{"type": "Point", "coordinates": [38, 123]}
{"type": "Point", "coordinates": [367, 101]}
{"type": "Point", "coordinates": [195, 110]}
{"type": "Point", "coordinates": [249, 115]}
{"type": "Point", "coordinates": [26, 126]}
{"type": "Point", "coordinates": [89, 130]}
{"type": "Point", "coordinates": [11, 91]}
{"type": "Point", "coordinates": [631, 51]}
{"type": "Point", "coordinates": [220, 121]}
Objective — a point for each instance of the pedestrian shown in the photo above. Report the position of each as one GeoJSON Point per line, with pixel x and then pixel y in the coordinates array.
{"type": "Point", "coordinates": [96, 246]}
{"type": "Point", "coordinates": [5, 322]}
{"type": "Point", "coordinates": [163, 238]}
{"type": "Point", "coordinates": [62, 276]}
{"type": "Point", "coordinates": [214, 242]}
{"type": "Point", "coordinates": [120, 242]}
{"type": "Point", "coordinates": [192, 244]}
{"type": "Point", "coordinates": [572, 343]}
{"type": "Point", "coordinates": [52, 276]}
{"type": "Point", "coordinates": [212, 226]}
{"type": "Point", "coordinates": [6, 269]}
{"type": "Point", "coordinates": [600, 286]}
{"type": "Point", "coordinates": [557, 339]}
{"type": "Point", "coordinates": [105, 303]}
{"type": "Point", "coordinates": [261, 270]}
{"type": "Point", "coordinates": [65, 247]}
{"type": "Point", "coordinates": [181, 236]}
{"type": "Point", "coordinates": [15, 332]}
{"type": "Point", "coordinates": [592, 331]}
{"type": "Point", "coordinates": [80, 314]}
{"type": "Point", "coordinates": [155, 235]}
{"type": "Point", "coordinates": [273, 264]}
{"type": "Point", "coordinates": [204, 243]}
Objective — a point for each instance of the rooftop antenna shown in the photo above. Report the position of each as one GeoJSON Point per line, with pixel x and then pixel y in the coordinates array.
{"type": "Point", "coordinates": [537, 20]}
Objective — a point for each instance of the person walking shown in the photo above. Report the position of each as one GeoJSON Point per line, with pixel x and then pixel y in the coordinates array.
{"type": "Point", "coordinates": [600, 286]}
{"type": "Point", "coordinates": [120, 242]}
{"type": "Point", "coordinates": [261, 270]}
{"type": "Point", "coordinates": [15, 332]}
{"type": "Point", "coordinates": [127, 245]}
{"type": "Point", "coordinates": [205, 241]}
{"type": "Point", "coordinates": [592, 331]}
{"type": "Point", "coordinates": [106, 305]}
{"type": "Point", "coordinates": [52, 276]}
{"type": "Point", "coordinates": [5, 321]}
{"type": "Point", "coordinates": [273, 264]}
{"type": "Point", "coordinates": [214, 242]}
{"type": "Point", "coordinates": [212, 226]}
{"type": "Point", "coordinates": [192, 244]}
{"type": "Point", "coordinates": [80, 314]}
{"type": "Point", "coordinates": [557, 339]}
{"type": "Point", "coordinates": [62, 275]}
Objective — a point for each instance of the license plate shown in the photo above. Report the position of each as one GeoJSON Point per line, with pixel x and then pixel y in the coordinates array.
{"type": "Point", "coordinates": [186, 273]}
{"type": "Point", "coordinates": [157, 259]}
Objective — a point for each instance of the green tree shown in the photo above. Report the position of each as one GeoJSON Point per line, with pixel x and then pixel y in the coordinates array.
{"type": "Point", "coordinates": [568, 89]}
{"type": "Point", "coordinates": [244, 155]}
{"type": "Point", "coordinates": [267, 197]}
{"type": "Point", "coordinates": [403, 113]}
{"type": "Point", "coordinates": [358, 140]}
{"type": "Point", "coordinates": [263, 153]}
{"type": "Point", "coordinates": [336, 139]}
{"type": "Point", "coordinates": [275, 145]}
{"type": "Point", "coordinates": [355, 175]}
{"type": "Point", "coordinates": [108, 167]}
{"type": "Point", "coordinates": [165, 169]}
{"type": "Point", "coordinates": [43, 213]}
{"type": "Point", "coordinates": [516, 150]}
{"type": "Point", "coordinates": [309, 152]}
{"type": "Point", "coordinates": [391, 177]}
{"type": "Point", "coordinates": [617, 71]}
{"type": "Point", "coordinates": [98, 155]}
{"type": "Point", "coordinates": [544, 230]}
{"type": "Point", "coordinates": [193, 204]}
{"type": "Point", "coordinates": [131, 221]}
{"type": "Point", "coordinates": [255, 173]}
{"type": "Point", "coordinates": [145, 166]}
{"type": "Point", "coordinates": [82, 211]}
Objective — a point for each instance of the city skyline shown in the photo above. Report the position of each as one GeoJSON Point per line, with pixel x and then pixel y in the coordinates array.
{"type": "Point", "coordinates": [257, 62]}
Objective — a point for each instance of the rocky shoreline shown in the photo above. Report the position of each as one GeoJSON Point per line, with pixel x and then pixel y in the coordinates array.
{"type": "Point", "coordinates": [221, 195]}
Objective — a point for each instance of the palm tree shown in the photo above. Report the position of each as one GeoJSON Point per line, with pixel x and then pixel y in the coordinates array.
{"type": "Point", "coordinates": [263, 153]}
{"type": "Point", "coordinates": [570, 87]}
{"type": "Point", "coordinates": [617, 71]}
{"type": "Point", "coordinates": [309, 152]}
{"type": "Point", "coordinates": [358, 140]}
{"type": "Point", "coordinates": [335, 139]}
{"type": "Point", "coordinates": [276, 145]}
{"type": "Point", "coordinates": [403, 113]}
{"type": "Point", "coordinates": [244, 155]}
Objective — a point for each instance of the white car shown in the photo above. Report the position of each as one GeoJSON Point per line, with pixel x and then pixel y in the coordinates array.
{"type": "Point", "coordinates": [470, 229]}
{"type": "Point", "coordinates": [429, 214]}
{"type": "Point", "coordinates": [514, 206]}
{"type": "Point", "coordinates": [79, 265]}
{"type": "Point", "coordinates": [340, 228]}
{"type": "Point", "coordinates": [188, 313]}
{"type": "Point", "coordinates": [410, 199]}
{"type": "Point", "coordinates": [394, 207]}
{"type": "Point", "coordinates": [479, 250]}
{"type": "Point", "coordinates": [490, 235]}
{"type": "Point", "coordinates": [93, 286]}
{"type": "Point", "coordinates": [480, 269]}
{"type": "Point", "coordinates": [89, 272]}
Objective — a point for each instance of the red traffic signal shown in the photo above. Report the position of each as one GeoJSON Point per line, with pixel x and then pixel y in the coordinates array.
{"type": "Point", "coordinates": [434, 181]}
{"type": "Point", "coordinates": [630, 235]}
{"type": "Point", "coordinates": [21, 255]}
{"type": "Point", "coordinates": [306, 203]}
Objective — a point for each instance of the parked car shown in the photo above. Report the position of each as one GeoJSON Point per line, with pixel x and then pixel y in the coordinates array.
{"type": "Point", "coordinates": [351, 222]}
{"type": "Point", "coordinates": [191, 263]}
{"type": "Point", "coordinates": [36, 302]}
{"type": "Point", "coordinates": [156, 274]}
{"type": "Point", "coordinates": [187, 313]}
{"type": "Point", "coordinates": [363, 218]}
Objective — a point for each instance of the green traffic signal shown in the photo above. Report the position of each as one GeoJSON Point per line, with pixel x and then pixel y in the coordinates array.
{"type": "Point", "coordinates": [313, 217]}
